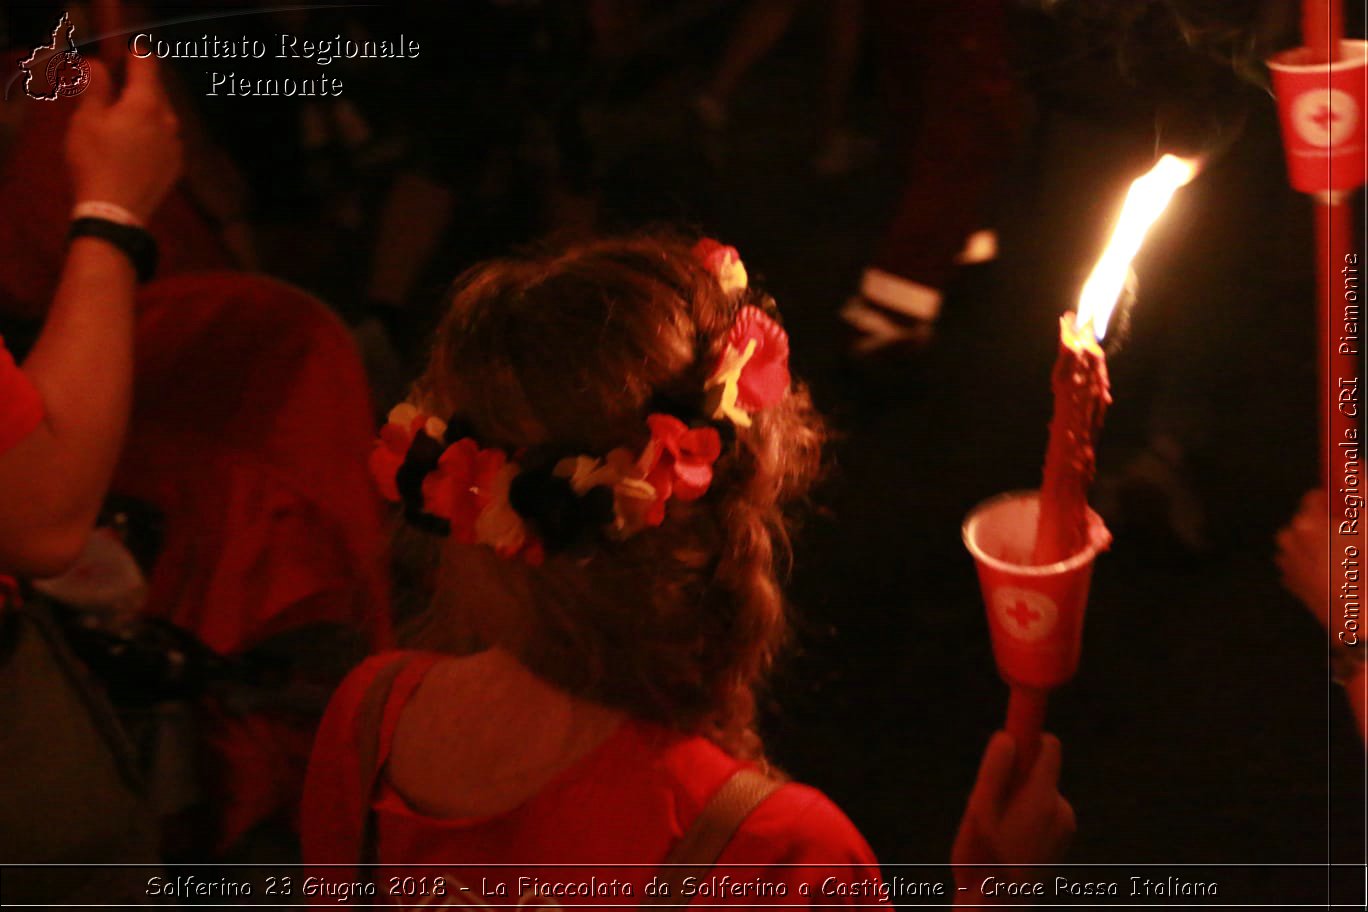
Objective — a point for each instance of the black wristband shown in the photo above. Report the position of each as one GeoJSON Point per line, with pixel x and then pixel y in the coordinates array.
{"type": "Point", "coordinates": [135, 243]}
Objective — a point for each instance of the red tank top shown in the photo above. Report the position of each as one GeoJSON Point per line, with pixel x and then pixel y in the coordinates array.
{"type": "Point", "coordinates": [596, 832]}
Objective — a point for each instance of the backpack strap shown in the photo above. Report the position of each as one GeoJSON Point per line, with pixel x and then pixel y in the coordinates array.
{"type": "Point", "coordinates": [696, 853]}
{"type": "Point", "coordinates": [370, 715]}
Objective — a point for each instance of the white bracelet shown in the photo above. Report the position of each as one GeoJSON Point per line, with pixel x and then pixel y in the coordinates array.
{"type": "Point", "coordinates": [111, 212]}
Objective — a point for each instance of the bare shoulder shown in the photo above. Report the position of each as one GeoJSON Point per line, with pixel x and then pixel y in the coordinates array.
{"type": "Point", "coordinates": [480, 735]}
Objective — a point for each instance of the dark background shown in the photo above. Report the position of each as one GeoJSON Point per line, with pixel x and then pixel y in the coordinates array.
{"type": "Point", "coordinates": [1201, 727]}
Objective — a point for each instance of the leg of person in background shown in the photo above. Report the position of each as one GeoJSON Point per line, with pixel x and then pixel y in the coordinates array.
{"type": "Point", "coordinates": [415, 213]}
{"type": "Point", "coordinates": [948, 71]}
{"type": "Point", "coordinates": [761, 26]}
{"type": "Point", "coordinates": [839, 150]}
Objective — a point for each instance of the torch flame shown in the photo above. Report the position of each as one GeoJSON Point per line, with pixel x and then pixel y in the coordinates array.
{"type": "Point", "coordinates": [1149, 195]}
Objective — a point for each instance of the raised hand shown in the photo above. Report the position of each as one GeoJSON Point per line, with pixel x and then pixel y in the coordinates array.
{"type": "Point", "coordinates": [1032, 824]}
{"type": "Point", "coordinates": [1304, 555]}
{"type": "Point", "coordinates": [125, 151]}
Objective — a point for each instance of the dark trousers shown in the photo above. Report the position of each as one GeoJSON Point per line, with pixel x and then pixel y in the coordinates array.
{"type": "Point", "coordinates": [950, 90]}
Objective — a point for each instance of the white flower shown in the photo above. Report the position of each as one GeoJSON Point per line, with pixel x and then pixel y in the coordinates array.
{"type": "Point", "coordinates": [499, 525]}
{"type": "Point", "coordinates": [403, 414]}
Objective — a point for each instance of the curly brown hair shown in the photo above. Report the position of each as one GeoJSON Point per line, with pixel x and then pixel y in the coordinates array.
{"type": "Point", "coordinates": [573, 349]}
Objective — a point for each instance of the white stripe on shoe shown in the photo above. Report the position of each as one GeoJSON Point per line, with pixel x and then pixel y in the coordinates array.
{"type": "Point", "coordinates": [878, 330]}
{"type": "Point", "coordinates": [904, 296]}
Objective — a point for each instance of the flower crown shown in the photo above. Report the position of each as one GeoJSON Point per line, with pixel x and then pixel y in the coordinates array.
{"type": "Point", "coordinates": [448, 484]}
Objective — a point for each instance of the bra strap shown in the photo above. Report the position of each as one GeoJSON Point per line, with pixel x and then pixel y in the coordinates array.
{"type": "Point", "coordinates": [370, 718]}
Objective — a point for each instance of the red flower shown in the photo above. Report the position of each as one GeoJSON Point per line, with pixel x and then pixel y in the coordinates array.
{"type": "Point", "coordinates": [685, 457]}
{"type": "Point", "coordinates": [723, 262]}
{"type": "Point", "coordinates": [392, 445]}
{"type": "Point", "coordinates": [460, 488]}
{"type": "Point", "coordinates": [764, 379]}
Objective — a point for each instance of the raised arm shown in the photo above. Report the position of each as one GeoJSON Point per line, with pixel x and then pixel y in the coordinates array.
{"type": "Point", "coordinates": [124, 152]}
{"type": "Point", "coordinates": [1008, 824]}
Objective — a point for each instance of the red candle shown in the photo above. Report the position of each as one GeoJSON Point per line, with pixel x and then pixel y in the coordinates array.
{"type": "Point", "coordinates": [1339, 361]}
{"type": "Point", "coordinates": [1322, 32]}
{"type": "Point", "coordinates": [1080, 373]}
{"type": "Point", "coordinates": [1323, 29]}
{"type": "Point", "coordinates": [1081, 397]}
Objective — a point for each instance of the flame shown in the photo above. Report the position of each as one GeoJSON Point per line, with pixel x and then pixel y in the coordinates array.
{"type": "Point", "coordinates": [1146, 200]}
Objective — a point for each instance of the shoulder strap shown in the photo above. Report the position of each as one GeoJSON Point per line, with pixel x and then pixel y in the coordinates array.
{"type": "Point", "coordinates": [696, 853]}
{"type": "Point", "coordinates": [369, 715]}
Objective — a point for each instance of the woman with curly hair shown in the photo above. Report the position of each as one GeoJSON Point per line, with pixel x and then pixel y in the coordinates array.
{"type": "Point", "coordinates": [609, 494]}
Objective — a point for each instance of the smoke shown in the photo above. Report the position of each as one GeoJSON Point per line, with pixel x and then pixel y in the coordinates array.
{"type": "Point", "coordinates": [1234, 36]}
{"type": "Point", "coordinates": [1196, 65]}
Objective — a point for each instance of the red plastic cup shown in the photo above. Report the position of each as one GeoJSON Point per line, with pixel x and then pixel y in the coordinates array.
{"type": "Point", "coordinates": [1321, 109]}
{"type": "Point", "coordinates": [1035, 612]}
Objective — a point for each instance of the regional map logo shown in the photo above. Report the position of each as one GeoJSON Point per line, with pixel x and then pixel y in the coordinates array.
{"type": "Point", "coordinates": [56, 70]}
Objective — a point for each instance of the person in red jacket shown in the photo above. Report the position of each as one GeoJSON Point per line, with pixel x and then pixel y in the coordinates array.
{"type": "Point", "coordinates": [600, 453]}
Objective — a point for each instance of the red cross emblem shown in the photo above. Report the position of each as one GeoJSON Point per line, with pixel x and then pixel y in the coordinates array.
{"type": "Point", "coordinates": [1024, 614]}
{"type": "Point", "coordinates": [1324, 118]}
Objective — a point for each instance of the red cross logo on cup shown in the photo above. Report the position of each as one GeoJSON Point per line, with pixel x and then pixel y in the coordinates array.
{"type": "Point", "coordinates": [1325, 117]}
{"type": "Point", "coordinates": [1023, 614]}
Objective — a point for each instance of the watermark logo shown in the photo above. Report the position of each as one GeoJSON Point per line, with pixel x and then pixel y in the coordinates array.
{"type": "Point", "coordinates": [56, 69]}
